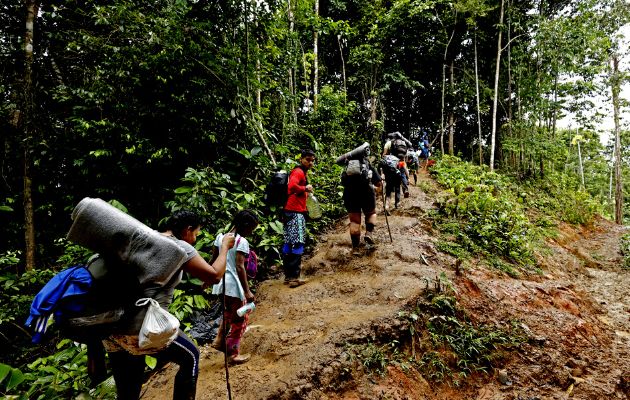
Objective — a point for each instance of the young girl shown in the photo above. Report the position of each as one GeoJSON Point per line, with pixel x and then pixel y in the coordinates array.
{"type": "Point", "coordinates": [237, 291]}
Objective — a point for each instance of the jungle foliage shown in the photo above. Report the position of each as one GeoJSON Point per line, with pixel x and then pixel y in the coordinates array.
{"type": "Point", "coordinates": [175, 103]}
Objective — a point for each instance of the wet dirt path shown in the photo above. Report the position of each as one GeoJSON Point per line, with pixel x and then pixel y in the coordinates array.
{"type": "Point", "coordinates": [297, 336]}
{"type": "Point", "coordinates": [575, 314]}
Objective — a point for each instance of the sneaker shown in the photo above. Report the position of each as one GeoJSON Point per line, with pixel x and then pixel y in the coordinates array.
{"type": "Point", "coordinates": [356, 251]}
{"type": "Point", "coordinates": [239, 359]}
{"type": "Point", "coordinates": [368, 238]}
{"type": "Point", "coordinates": [296, 282]}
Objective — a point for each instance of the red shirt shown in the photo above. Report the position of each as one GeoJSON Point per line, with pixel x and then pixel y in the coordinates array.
{"type": "Point", "coordinates": [296, 200]}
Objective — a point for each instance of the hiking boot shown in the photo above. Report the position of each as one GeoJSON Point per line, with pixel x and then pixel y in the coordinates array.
{"type": "Point", "coordinates": [368, 238]}
{"type": "Point", "coordinates": [293, 283]}
{"type": "Point", "coordinates": [356, 251]}
{"type": "Point", "coordinates": [238, 359]}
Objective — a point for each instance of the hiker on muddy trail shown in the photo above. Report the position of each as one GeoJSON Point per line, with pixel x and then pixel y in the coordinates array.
{"type": "Point", "coordinates": [237, 291]}
{"type": "Point", "coordinates": [396, 145]}
{"type": "Point", "coordinates": [413, 163]}
{"type": "Point", "coordinates": [295, 221]}
{"type": "Point", "coordinates": [127, 360]}
{"type": "Point", "coordinates": [359, 180]}
{"type": "Point", "coordinates": [425, 152]}
{"type": "Point", "coordinates": [404, 177]}
{"type": "Point", "coordinates": [393, 180]}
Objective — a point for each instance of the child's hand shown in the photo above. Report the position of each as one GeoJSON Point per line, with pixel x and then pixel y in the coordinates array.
{"type": "Point", "coordinates": [250, 296]}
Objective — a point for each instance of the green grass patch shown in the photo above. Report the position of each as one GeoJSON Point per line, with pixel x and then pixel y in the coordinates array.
{"type": "Point", "coordinates": [448, 345]}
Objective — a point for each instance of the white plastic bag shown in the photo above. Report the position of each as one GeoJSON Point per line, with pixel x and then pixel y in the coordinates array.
{"type": "Point", "coordinates": [159, 327]}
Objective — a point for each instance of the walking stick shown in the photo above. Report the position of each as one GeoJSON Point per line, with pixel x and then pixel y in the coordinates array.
{"type": "Point", "coordinates": [386, 219]}
{"type": "Point", "coordinates": [225, 348]}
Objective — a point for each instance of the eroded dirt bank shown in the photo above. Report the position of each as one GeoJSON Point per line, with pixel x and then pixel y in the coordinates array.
{"type": "Point", "coordinates": [576, 315]}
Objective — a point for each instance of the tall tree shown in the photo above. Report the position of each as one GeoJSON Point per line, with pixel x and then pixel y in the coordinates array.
{"type": "Point", "coordinates": [615, 86]}
{"type": "Point", "coordinates": [316, 55]}
{"type": "Point", "coordinates": [28, 125]}
{"type": "Point", "coordinates": [496, 89]}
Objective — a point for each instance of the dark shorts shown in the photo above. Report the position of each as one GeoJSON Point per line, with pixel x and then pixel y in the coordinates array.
{"type": "Point", "coordinates": [359, 199]}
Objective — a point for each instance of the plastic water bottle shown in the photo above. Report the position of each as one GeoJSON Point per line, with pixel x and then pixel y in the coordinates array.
{"type": "Point", "coordinates": [247, 308]}
{"type": "Point", "coordinates": [313, 207]}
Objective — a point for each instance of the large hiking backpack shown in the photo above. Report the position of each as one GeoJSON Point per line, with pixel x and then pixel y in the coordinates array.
{"type": "Point", "coordinates": [412, 158]}
{"type": "Point", "coordinates": [356, 170]}
{"type": "Point", "coordinates": [276, 191]}
{"type": "Point", "coordinates": [399, 148]}
{"type": "Point", "coordinates": [389, 164]}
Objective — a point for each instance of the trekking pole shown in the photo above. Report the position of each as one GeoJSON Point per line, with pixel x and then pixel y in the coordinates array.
{"type": "Point", "coordinates": [225, 348]}
{"type": "Point", "coordinates": [386, 219]}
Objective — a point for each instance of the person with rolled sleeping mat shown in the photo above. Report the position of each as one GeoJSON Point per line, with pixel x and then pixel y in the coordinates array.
{"type": "Point", "coordinates": [126, 357]}
{"type": "Point", "coordinates": [390, 168]}
{"type": "Point", "coordinates": [294, 220]}
{"type": "Point", "coordinates": [396, 145]}
{"type": "Point", "coordinates": [359, 180]}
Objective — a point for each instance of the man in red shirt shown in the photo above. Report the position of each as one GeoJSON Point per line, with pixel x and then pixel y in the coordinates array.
{"type": "Point", "coordinates": [294, 221]}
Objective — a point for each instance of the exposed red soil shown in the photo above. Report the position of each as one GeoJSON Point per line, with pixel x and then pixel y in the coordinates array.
{"type": "Point", "coordinates": [576, 315]}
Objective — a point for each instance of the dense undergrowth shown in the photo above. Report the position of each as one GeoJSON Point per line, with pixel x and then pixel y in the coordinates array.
{"type": "Point", "coordinates": [500, 219]}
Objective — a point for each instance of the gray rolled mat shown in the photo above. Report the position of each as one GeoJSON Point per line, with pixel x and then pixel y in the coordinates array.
{"type": "Point", "coordinates": [103, 228]}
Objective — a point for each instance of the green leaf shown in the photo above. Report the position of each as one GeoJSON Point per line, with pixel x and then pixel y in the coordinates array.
{"type": "Point", "coordinates": [151, 362]}
{"type": "Point", "coordinates": [6, 208]}
{"type": "Point", "coordinates": [17, 377]}
{"type": "Point", "coordinates": [182, 190]}
{"type": "Point", "coordinates": [4, 371]}
{"type": "Point", "coordinates": [118, 205]}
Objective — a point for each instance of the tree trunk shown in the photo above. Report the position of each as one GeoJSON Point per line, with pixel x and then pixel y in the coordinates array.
{"type": "Point", "coordinates": [315, 60]}
{"type": "Point", "coordinates": [581, 166]}
{"type": "Point", "coordinates": [28, 126]}
{"type": "Point", "coordinates": [451, 115]}
{"type": "Point", "coordinates": [496, 92]}
{"type": "Point", "coordinates": [444, 90]}
{"type": "Point", "coordinates": [291, 71]}
{"type": "Point", "coordinates": [478, 101]}
{"type": "Point", "coordinates": [615, 87]}
{"type": "Point", "coordinates": [509, 69]}
{"type": "Point", "coordinates": [343, 68]}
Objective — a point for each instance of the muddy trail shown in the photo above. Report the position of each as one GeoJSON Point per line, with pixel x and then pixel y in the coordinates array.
{"type": "Point", "coordinates": [576, 315]}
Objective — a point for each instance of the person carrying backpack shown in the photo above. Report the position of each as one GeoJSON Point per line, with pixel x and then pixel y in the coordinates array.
{"type": "Point", "coordinates": [393, 180]}
{"type": "Point", "coordinates": [396, 145]}
{"type": "Point", "coordinates": [404, 177]}
{"type": "Point", "coordinates": [413, 164]}
{"type": "Point", "coordinates": [359, 179]}
{"type": "Point", "coordinates": [237, 291]}
{"type": "Point", "coordinates": [126, 358]}
{"type": "Point", "coordinates": [294, 220]}
{"type": "Point", "coordinates": [425, 152]}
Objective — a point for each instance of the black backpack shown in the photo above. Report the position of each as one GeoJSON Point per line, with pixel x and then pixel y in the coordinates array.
{"type": "Point", "coordinates": [276, 191]}
{"type": "Point", "coordinates": [399, 148]}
